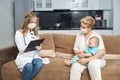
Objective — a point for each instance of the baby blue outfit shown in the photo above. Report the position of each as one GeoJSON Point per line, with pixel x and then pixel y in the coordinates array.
{"type": "Point", "coordinates": [92, 50]}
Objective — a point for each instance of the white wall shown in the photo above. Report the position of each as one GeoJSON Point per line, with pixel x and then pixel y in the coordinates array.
{"type": "Point", "coordinates": [6, 23]}
{"type": "Point", "coordinates": [116, 18]}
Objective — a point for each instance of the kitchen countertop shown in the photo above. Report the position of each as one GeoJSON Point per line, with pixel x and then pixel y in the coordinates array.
{"type": "Point", "coordinates": [78, 29]}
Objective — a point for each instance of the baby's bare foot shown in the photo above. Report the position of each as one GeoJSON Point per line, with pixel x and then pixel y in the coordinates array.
{"type": "Point", "coordinates": [67, 62]}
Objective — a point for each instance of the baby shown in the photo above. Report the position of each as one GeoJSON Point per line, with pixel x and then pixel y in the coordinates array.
{"type": "Point", "coordinates": [91, 50]}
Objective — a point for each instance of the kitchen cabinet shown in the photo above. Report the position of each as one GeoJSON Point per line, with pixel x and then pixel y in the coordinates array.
{"type": "Point", "coordinates": [91, 5]}
{"type": "Point", "coordinates": [79, 5]}
{"type": "Point", "coordinates": [43, 5]}
{"type": "Point", "coordinates": [70, 4]}
{"type": "Point", "coordinates": [100, 4]}
{"type": "Point", "coordinates": [105, 4]}
{"type": "Point", "coordinates": [83, 4]}
{"type": "Point", "coordinates": [61, 4]}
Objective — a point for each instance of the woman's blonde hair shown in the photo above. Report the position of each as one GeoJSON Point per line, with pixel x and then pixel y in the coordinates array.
{"type": "Point", "coordinates": [90, 21]}
{"type": "Point", "coordinates": [25, 28]}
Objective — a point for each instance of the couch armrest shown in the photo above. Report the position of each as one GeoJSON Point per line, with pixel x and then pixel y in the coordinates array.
{"type": "Point", "coordinates": [0, 69]}
{"type": "Point", "coordinates": [8, 54]}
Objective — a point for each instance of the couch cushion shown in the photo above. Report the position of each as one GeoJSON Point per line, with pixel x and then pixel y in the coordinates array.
{"type": "Point", "coordinates": [111, 71]}
{"type": "Point", "coordinates": [56, 70]}
{"type": "Point", "coordinates": [10, 71]}
{"type": "Point", "coordinates": [64, 43]}
{"type": "Point", "coordinates": [48, 47]}
{"type": "Point", "coordinates": [112, 44]}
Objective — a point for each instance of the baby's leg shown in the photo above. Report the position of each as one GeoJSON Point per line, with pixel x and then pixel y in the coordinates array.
{"type": "Point", "coordinates": [75, 59]}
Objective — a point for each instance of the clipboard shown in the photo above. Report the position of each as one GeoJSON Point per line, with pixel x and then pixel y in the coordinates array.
{"type": "Point", "coordinates": [31, 46]}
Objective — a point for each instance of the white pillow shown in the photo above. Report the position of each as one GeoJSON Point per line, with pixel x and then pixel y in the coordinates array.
{"type": "Point", "coordinates": [46, 53]}
{"type": "Point", "coordinates": [48, 47]}
{"type": "Point", "coordinates": [64, 55]}
{"type": "Point", "coordinates": [112, 56]}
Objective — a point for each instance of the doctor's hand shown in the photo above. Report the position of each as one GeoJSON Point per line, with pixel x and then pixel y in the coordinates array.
{"type": "Point", "coordinates": [38, 47]}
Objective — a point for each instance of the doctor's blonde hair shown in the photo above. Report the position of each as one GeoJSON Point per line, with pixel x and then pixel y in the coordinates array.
{"type": "Point", "coordinates": [28, 16]}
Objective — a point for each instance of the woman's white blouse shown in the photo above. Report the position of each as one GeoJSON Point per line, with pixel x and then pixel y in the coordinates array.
{"type": "Point", "coordinates": [22, 42]}
{"type": "Point", "coordinates": [81, 44]}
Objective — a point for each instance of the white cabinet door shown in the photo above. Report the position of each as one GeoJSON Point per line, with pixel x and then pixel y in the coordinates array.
{"type": "Point", "coordinates": [71, 4]}
{"type": "Point", "coordinates": [79, 4]}
{"type": "Point", "coordinates": [43, 5]}
{"type": "Point", "coordinates": [100, 4]}
{"type": "Point", "coordinates": [93, 4]}
{"type": "Point", "coordinates": [61, 4]}
{"type": "Point", "coordinates": [105, 4]}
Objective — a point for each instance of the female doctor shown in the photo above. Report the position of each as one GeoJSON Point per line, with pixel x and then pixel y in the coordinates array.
{"type": "Point", "coordinates": [29, 63]}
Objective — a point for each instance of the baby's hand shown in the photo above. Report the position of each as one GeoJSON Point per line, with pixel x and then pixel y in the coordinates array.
{"type": "Point", "coordinates": [82, 51]}
{"type": "Point", "coordinates": [81, 55]}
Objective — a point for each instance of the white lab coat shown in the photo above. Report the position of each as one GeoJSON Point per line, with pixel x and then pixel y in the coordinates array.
{"type": "Point", "coordinates": [22, 42]}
